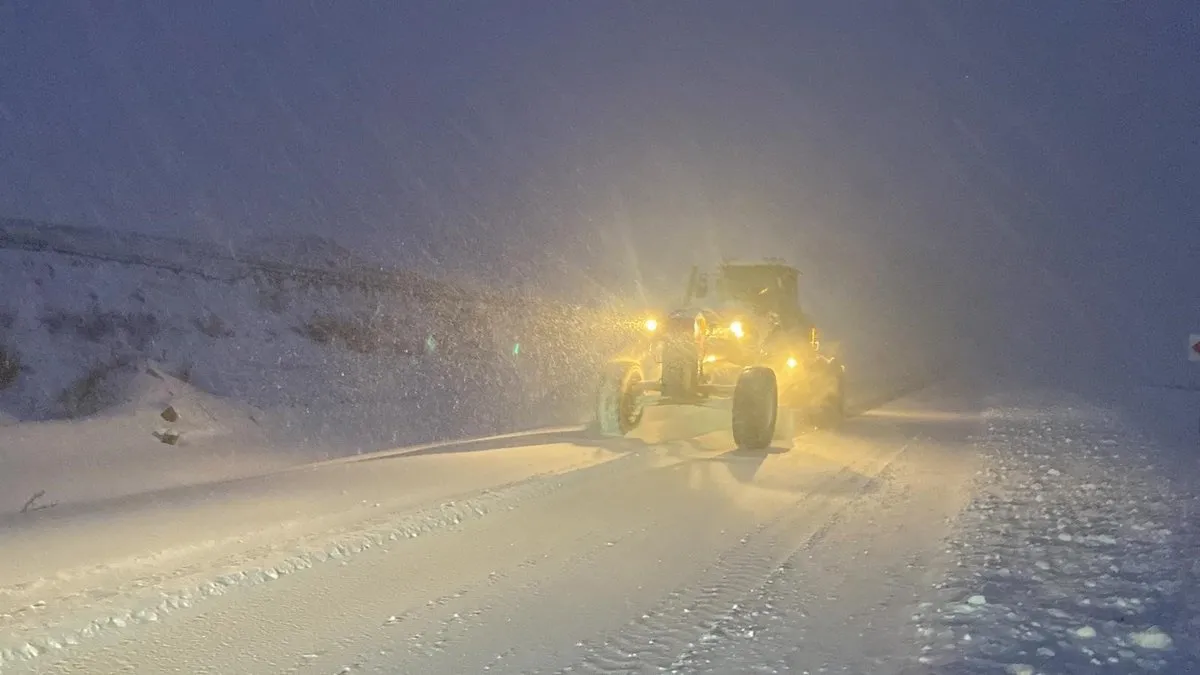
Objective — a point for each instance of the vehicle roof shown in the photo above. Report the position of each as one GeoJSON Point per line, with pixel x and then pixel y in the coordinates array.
{"type": "Point", "coordinates": [761, 262]}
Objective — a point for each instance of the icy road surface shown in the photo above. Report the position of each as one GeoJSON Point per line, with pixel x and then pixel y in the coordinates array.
{"type": "Point", "coordinates": [940, 533]}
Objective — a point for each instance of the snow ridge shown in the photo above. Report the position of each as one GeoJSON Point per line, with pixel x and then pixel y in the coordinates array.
{"type": "Point", "coordinates": [1070, 558]}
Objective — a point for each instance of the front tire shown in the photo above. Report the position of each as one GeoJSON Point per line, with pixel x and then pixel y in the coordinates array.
{"type": "Point", "coordinates": [755, 408]}
{"type": "Point", "coordinates": [619, 406]}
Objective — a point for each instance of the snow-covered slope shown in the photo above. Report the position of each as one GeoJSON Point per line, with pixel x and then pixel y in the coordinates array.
{"type": "Point", "coordinates": [74, 324]}
{"type": "Point", "coordinates": [322, 363]}
{"type": "Point", "coordinates": [226, 258]}
{"type": "Point", "coordinates": [306, 251]}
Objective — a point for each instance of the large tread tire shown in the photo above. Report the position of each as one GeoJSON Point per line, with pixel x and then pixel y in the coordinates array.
{"type": "Point", "coordinates": [755, 408]}
{"type": "Point", "coordinates": [680, 369]}
{"type": "Point", "coordinates": [619, 407]}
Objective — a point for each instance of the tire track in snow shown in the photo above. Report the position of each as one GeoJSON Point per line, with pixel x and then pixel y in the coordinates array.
{"type": "Point", "coordinates": [495, 626]}
{"type": "Point", "coordinates": [663, 638]}
{"type": "Point", "coordinates": [487, 602]}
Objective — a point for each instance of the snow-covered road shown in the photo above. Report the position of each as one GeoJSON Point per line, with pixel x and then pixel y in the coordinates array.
{"type": "Point", "coordinates": [518, 555]}
{"type": "Point", "coordinates": [868, 549]}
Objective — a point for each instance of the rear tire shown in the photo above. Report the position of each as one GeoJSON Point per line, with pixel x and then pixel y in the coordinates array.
{"type": "Point", "coordinates": [619, 406]}
{"type": "Point", "coordinates": [755, 408]}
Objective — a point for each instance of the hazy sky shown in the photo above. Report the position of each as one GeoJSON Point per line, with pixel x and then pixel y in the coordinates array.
{"type": "Point", "coordinates": [1000, 171]}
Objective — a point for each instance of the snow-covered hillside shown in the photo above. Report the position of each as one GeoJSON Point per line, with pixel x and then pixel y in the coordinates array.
{"type": "Point", "coordinates": [319, 364]}
{"type": "Point", "coordinates": [215, 258]}
{"type": "Point", "coordinates": [76, 329]}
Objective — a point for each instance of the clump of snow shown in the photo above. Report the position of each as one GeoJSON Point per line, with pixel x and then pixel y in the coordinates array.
{"type": "Point", "coordinates": [1154, 638]}
{"type": "Point", "coordinates": [1079, 548]}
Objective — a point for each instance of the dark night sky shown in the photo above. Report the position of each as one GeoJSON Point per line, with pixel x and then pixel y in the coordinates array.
{"type": "Point", "coordinates": [1016, 178]}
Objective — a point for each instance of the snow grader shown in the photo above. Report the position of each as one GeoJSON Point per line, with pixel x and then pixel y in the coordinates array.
{"type": "Point", "coordinates": [739, 333]}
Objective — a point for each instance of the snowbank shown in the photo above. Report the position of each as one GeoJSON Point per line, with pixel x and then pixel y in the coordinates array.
{"type": "Point", "coordinates": [164, 434]}
{"type": "Point", "coordinates": [1078, 556]}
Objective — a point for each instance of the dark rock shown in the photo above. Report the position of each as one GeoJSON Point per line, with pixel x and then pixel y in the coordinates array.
{"type": "Point", "coordinates": [168, 436]}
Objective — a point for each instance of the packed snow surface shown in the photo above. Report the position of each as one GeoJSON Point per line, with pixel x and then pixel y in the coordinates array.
{"type": "Point", "coordinates": [944, 532]}
{"type": "Point", "coordinates": [483, 557]}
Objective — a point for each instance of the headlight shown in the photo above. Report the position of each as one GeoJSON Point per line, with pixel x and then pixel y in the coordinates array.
{"type": "Point", "coordinates": [791, 362]}
{"type": "Point", "coordinates": [737, 329]}
{"type": "Point", "coordinates": [651, 325]}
